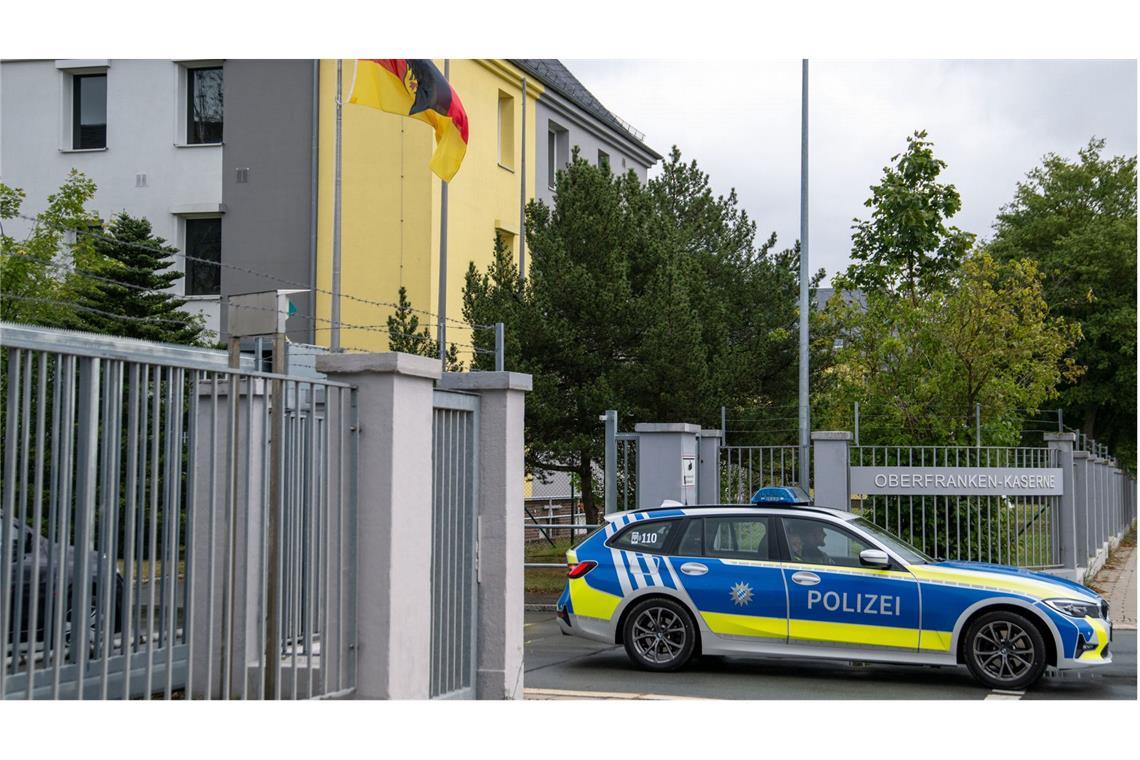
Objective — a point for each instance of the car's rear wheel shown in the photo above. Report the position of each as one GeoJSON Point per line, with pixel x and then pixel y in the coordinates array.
{"type": "Point", "coordinates": [1004, 650]}
{"type": "Point", "coordinates": [659, 635]}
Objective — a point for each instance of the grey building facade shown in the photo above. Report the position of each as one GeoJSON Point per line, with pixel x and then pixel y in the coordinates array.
{"type": "Point", "coordinates": [269, 182]}
{"type": "Point", "coordinates": [567, 116]}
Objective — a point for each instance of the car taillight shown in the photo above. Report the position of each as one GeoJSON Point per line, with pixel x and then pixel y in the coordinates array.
{"type": "Point", "coordinates": [580, 569]}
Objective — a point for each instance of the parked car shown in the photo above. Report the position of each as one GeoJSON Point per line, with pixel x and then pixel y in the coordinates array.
{"type": "Point", "coordinates": [782, 577]}
{"type": "Point", "coordinates": [21, 557]}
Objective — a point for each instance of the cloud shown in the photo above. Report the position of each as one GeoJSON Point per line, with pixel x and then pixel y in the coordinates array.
{"type": "Point", "coordinates": [991, 121]}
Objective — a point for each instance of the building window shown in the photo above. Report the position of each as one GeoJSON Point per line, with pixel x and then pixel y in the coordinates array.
{"type": "Point", "coordinates": [506, 130]}
{"type": "Point", "coordinates": [506, 240]}
{"type": "Point", "coordinates": [203, 246]}
{"type": "Point", "coordinates": [603, 160]}
{"type": "Point", "coordinates": [551, 158]}
{"type": "Point", "coordinates": [204, 105]}
{"type": "Point", "coordinates": [89, 111]}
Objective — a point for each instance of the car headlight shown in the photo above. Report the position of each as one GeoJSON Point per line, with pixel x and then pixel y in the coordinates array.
{"type": "Point", "coordinates": [1078, 608]}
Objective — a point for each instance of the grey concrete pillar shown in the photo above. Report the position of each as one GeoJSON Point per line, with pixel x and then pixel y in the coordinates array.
{"type": "Point", "coordinates": [1098, 536]}
{"type": "Point", "coordinates": [393, 513]}
{"type": "Point", "coordinates": [830, 457]}
{"type": "Point", "coordinates": [1117, 490]}
{"type": "Point", "coordinates": [708, 466]}
{"type": "Point", "coordinates": [1102, 506]}
{"type": "Point", "coordinates": [1062, 445]}
{"type": "Point", "coordinates": [499, 627]}
{"type": "Point", "coordinates": [1081, 506]}
{"type": "Point", "coordinates": [666, 462]}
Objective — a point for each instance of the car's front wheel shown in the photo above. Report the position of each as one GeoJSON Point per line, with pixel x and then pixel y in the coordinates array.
{"type": "Point", "coordinates": [659, 635]}
{"type": "Point", "coordinates": [1004, 650]}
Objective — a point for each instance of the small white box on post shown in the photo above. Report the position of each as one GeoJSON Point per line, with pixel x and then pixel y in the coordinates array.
{"type": "Point", "coordinates": [262, 313]}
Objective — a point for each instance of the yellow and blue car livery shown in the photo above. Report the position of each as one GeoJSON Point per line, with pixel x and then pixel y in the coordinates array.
{"type": "Point", "coordinates": [855, 592]}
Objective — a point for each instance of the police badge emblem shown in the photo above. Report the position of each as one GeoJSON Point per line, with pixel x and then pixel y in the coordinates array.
{"type": "Point", "coordinates": [741, 594]}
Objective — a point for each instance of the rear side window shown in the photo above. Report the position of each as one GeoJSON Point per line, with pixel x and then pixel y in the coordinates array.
{"type": "Point", "coordinates": [645, 536]}
{"type": "Point", "coordinates": [692, 544]}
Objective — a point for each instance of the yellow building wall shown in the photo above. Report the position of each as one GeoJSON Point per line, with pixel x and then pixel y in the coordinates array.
{"type": "Point", "coordinates": [390, 202]}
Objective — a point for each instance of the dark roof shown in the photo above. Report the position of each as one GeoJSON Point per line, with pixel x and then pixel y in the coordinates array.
{"type": "Point", "coordinates": [823, 295]}
{"type": "Point", "coordinates": [557, 77]}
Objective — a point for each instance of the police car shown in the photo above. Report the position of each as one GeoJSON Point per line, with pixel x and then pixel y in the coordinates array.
{"type": "Point", "coordinates": [784, 578]}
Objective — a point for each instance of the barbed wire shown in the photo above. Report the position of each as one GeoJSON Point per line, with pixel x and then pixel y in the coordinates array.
{"type": "Point", "coordinates": [383, 329]}
{"type": "Point", "coordinates": [247, 270]}
{"type": "Point", "coordinates": [73, 305]}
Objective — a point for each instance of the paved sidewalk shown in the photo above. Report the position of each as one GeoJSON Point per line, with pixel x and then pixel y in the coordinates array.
{"type": "Point", "coordinates": [1116, 582]}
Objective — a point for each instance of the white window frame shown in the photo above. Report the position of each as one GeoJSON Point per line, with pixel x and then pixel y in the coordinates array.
{"type": "Point", "coordinates": [183, 218]}
{"type": "Point", "coordinates": [551, 157]}
{"type": "Point", "coordinates": [509, 163]}
{"type": "Point", "coordinates": [68, 70]}
{"type": "Point", "coordinates": [181, 86]}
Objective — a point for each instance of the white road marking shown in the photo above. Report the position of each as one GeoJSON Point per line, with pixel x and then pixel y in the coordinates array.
{"type": "Point", "coordinates": [1004, 694]}
{"type": "Point", "coordinates": [572, 694]}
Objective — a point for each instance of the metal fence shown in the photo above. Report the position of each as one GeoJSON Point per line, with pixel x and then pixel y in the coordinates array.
{"type": "Point", "coordinates": [454, 592]}
{"type": "Point", "coordinates": [154, 542]}
{"type": "Point", "coordinates": [745, 469]}
{"type": "Point", "coordinates": [1022, 531]}
{"type": "Point", "coordinates": [1106, 502]}
{"type": "Point", "coordinates": [627, 492]}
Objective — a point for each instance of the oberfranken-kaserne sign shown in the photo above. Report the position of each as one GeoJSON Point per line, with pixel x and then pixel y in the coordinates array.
{"type": "Point", "coordinates": [957, 481]}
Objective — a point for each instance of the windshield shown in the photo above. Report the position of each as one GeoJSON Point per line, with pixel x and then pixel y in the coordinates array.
{"type": "Point", "coordinates": [907, 552]}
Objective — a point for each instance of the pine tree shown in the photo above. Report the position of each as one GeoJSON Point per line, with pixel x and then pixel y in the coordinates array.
{"type": "Point", "coordinates": [133, 292]}
{"type": "Point", "coordinates": [405, 335]}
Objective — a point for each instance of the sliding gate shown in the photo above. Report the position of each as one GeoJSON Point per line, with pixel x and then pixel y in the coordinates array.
{"type": "Point", "coordinates": [454, 528]}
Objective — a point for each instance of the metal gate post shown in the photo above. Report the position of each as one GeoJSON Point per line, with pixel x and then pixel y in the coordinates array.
{"type": "Point", "coordinates": [611, 420]}
{"type": "Point", "coordinates": [708, 469]}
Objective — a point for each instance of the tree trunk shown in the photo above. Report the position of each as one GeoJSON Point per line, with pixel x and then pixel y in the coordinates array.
{"type": "Point", "coordinates": [1088, 424]}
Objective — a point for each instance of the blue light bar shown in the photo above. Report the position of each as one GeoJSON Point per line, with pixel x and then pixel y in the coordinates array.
{"type": "Point", "coordinates": [781, 495]}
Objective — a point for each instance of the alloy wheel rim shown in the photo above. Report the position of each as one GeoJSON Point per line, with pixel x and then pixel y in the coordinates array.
{"type": "Point", "coordinates": [659, 635]}
{"type": "Point", "coordinates": [1004, 650]}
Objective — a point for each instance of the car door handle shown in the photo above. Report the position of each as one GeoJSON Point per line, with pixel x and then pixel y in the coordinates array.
{"type": "Point", "coordinates": [693, 568]}
{"type": "Point", "coordinates": [804, 578]}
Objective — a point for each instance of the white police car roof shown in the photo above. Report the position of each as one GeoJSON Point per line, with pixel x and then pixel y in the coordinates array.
{"type": "Point", "coordinates": [741, 508]}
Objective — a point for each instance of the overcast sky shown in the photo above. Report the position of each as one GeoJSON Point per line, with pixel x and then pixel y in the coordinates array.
{"type": "Point", "coordinates": [991, 121]}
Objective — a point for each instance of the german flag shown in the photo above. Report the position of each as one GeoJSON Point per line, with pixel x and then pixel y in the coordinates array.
{"type": "Point", "coordinates": [416, 88]}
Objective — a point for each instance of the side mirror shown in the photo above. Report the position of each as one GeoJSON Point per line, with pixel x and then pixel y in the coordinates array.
{"type": "Point", "coordinates": [874, 558]}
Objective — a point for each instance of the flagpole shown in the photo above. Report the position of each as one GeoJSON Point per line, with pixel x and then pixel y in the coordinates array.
{"type": "Point", "coordinates": [335, 331]}
{"type": "Point", "coordinates": [443, 250]}
{"type": "Point", "coordinates": [805, 411]}
{"type": "Point", "coordinates": [522, 192]}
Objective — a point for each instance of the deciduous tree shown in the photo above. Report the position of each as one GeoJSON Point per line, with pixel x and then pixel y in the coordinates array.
{"type": "Point", "coordinates": [38, 277]}
{"type": "Point", "coordinates": [1077, 221]}
{"type": "Point", "coordinates": [906, 246]}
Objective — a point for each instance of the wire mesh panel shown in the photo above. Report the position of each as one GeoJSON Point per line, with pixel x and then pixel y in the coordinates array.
{"type": "Point", "coordinates": [153, 538]}
{"type": "Point", "coordinates": [454, 537]}
{"type": "Point", "coordinates": [1017, 530]}
{"type": "Point", "coordinates": [746, 469]}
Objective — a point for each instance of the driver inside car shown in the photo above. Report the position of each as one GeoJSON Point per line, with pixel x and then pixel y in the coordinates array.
{"type": "Point", "coordinates": [805, 542]}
